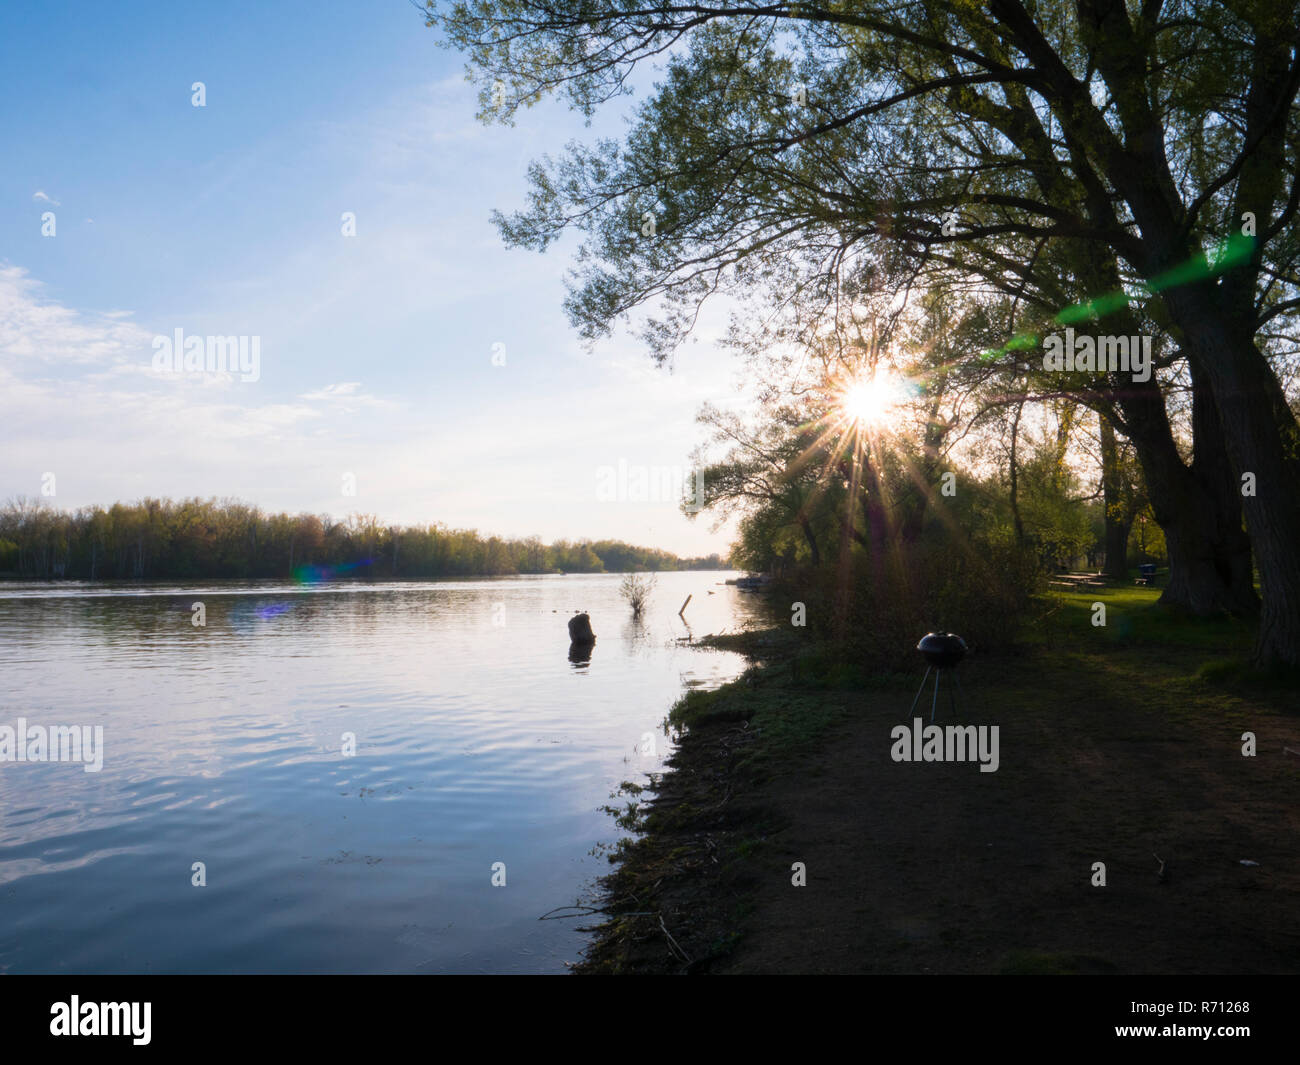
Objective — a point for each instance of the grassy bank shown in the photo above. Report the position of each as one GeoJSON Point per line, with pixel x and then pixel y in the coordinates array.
{"type": "Point", "coordinates": [1119, 743]}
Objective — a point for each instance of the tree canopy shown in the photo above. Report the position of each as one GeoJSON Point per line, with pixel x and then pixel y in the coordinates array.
{"type": "Point", "coordinates": [163, 538]}
{"type": "Point", "coordinates": [1116, 168]}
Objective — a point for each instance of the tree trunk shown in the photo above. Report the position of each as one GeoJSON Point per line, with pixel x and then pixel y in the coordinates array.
{"type": "Point", "coordinates": [813, 549]}
{"type": "Point", "coordinates": [919, 494]}
{"type": "Point", "coordinates": [1261, 439]}
{"type": "Point", "coordinates": [844, 596]}
{"type": "Point", "coordinates": [1116, 540]}
{"type": "Point", "coordinates": [1015, 491]}
{"type": "Point", "coordinates": [1200, 514]}
{"type": "Point", "coordinates": [1197, 507]}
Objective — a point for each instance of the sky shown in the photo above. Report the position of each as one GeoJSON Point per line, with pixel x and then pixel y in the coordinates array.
{"type": "Point", "coordinates": [417, 370]}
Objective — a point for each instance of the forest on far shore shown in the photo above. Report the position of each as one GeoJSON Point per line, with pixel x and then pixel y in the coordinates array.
{"type": "Point", "coordinates": [166, 539]}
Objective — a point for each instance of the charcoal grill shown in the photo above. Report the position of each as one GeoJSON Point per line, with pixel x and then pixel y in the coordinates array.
{"type": "Point", "coordinates": [941, 650]}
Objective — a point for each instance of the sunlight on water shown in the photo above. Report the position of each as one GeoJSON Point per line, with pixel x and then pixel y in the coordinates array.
{"type": "Point", "coordinates": [477, 741]}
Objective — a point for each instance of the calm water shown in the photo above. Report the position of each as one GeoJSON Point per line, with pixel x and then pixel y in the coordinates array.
{"type": "Point", "coordinates": [477, 741]}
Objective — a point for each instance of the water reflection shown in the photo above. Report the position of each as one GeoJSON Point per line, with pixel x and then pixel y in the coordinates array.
{"type": "Point", "coordinates": [580, 654]}
{"type": "Point", "coordinates": [226, 743]}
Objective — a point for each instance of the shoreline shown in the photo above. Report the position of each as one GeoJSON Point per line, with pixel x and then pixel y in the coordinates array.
{"type": "Point", "coordinates": [696, 829]}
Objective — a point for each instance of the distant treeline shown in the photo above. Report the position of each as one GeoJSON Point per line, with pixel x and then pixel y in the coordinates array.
{"type": "Point", "coordinates": [166, 539]}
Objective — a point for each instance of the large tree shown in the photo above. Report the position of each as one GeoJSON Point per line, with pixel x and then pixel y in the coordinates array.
{"type": "Point", "coordinates": [1154, 144]}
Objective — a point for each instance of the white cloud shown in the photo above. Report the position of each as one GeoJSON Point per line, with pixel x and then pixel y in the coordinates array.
{"type": "Point", "coordinates": [343, 388]}
{"type": "Point", "coordinates": [34, 329]}
{"type": "Point", "coordinates": [40, 197]}
{"type": "Point", "coordinates": [346, 397]}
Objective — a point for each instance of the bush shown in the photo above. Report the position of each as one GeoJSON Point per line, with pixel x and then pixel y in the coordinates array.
{"type": "Point", "coordinates": [982, 592]}
{"type": "Point", "coordinates": [636, 589]}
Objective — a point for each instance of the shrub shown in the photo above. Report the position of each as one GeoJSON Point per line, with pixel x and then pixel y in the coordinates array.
{"type": "Point", "coordinates": [981, 592]}
{"type": "Point", "coordinates": [636, 589]}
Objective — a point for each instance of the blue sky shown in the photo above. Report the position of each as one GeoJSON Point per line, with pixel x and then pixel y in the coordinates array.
{"type": "Point", "coordinates": [376, 350]}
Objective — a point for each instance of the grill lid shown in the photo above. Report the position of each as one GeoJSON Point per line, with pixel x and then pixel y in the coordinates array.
{"type": "Point", "coordinates": [942, 649]}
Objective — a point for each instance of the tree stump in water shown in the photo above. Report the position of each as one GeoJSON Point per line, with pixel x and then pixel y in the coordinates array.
{"type": "Point", "coordinates": [580, 630]}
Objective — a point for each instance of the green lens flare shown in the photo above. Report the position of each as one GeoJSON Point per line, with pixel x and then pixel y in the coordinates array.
{"type": "Point", "coordinates": [1232, 252]}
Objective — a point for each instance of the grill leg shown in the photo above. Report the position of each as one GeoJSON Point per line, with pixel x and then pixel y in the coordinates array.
{"type": "Point", "coordinates": [935, 701]}
{"type": "Point", "coordinates": [920, 689]}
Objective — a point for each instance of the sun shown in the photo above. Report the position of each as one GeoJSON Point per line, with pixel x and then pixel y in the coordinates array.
{"type": "Point", "coordinates": [870, 401]}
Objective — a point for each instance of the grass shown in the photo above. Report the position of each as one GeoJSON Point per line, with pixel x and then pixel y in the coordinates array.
{"type": "Point", "coordinates": [1134, 618]}
{"type": "Point", "coordinates": [1209, 658]}
{"type": "Point", "coordinates": [1144, 655]}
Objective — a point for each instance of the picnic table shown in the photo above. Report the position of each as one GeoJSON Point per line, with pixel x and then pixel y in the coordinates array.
{"type": "Point", "coordinates": [1078, 580]}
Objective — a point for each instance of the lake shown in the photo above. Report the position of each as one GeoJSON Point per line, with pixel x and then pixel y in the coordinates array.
{"type": "Point", "coordinates": [477, 741]}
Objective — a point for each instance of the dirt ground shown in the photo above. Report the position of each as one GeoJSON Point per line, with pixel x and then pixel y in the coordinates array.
{"type": "Point", "coordinates": [939, 868]}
